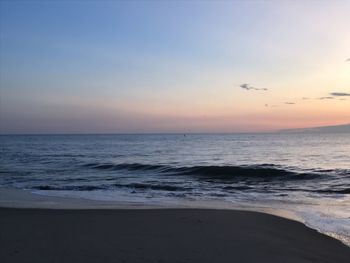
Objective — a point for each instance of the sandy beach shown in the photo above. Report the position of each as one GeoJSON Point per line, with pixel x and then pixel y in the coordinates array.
{"type": "Point", "coordinates": [160, 235]}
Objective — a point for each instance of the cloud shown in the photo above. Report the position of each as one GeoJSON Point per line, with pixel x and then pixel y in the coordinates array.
{"type": "Point", "coordinates": [249, 87]}
{"type": "Point", "coordinates": [290, 103]}
{"type": "Point", "coordinates": [246, 86]}
{"type": "Point", "coordinates": [305, 98]}
{"type": "Point", "coordinates": [340, 94]}
{"type": "Point", "coordinates": [325, 98]}
{"type": "Point", "coordinates": [348, 59]}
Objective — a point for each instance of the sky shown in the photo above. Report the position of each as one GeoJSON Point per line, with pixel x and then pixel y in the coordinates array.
{"type": "Point", "coordinates": [173, 66]}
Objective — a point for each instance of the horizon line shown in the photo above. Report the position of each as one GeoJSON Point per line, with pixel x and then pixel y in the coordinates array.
{"type": "Point", "coordinates": [170, 133]}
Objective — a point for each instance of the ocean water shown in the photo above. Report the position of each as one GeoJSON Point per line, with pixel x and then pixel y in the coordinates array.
{"type": "Point", "coordinates": [307, 174]}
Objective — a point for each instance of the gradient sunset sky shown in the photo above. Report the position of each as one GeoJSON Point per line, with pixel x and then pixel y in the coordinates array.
{"type": "Point", "coordinates": [173, 66]}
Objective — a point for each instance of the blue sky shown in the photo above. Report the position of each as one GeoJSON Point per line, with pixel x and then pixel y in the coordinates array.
{"type": "Point", "coordinates": [142, 66]}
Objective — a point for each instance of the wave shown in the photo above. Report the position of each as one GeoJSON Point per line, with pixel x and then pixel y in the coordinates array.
{"type": "Point", "coordinates": [141, 186]}
{"type": "Point", "coordinates": [332, 191]}
{"type": "Point", "coordinates": [257, 172]}
{"type": "Point", "coordinates": [174, 188]}
{"type": "Point", "coordinates": [69, 188]}
{"type": "Point", "coordinates": [163, 187]}
{"type": "Point", "coordinates": [124, 166]}
{"type": "Point", "coordinates": [250, 178]}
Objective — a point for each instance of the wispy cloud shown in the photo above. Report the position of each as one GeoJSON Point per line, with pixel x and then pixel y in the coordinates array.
{"type": "Point", "coordinates": [249, 87]}
{"type": "Point", "coordinates": [340, 94]}
{"type": "Point", "coordinates": [325, 98]}
{"type": "Point", "coordinates": [290, 103]}
{"type": "Point", "coordinates": [348, 59]}
{"type": "Point", "coordinates": [246, 86]}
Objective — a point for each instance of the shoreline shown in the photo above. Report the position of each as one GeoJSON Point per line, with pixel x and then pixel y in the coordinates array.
{"type": "Point", "coordinates": [27, 199]}
{"type": "Point", "coordinates": [160, 235]}
{"type": "Point", "coordinates": [11, 198]}
{"type": "Point", "coordinates": [20, 198]}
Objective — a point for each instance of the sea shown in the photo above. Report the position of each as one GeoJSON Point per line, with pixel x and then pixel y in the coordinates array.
{"type": "Point", "coordinates": [307, 174]}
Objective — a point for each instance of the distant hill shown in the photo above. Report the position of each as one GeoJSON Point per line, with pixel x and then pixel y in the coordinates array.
{"type": "Point", "coordinates": [345, 128]}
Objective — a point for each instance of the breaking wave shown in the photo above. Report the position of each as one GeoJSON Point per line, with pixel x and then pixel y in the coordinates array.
{"type": "Point", "coordinates": [260, 172]}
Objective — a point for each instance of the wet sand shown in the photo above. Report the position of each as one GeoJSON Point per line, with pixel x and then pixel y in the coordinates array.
{"type": "Point", "coordinates": [160, 235]}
